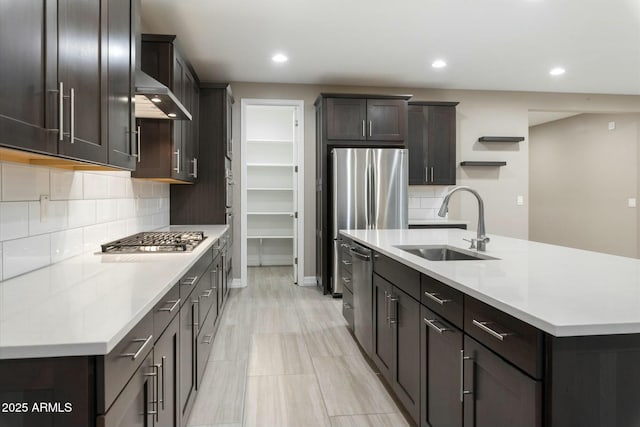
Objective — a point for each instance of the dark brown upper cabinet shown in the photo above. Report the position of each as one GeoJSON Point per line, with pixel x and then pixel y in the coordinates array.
{"type": "Point", "coordinates": [67, 80]}
{"type": "Point", "coordinates": [432, 143]}
{"type": "Point", "coordinates": [363, 118]}
{"type": "Point", "coordinates": [169, 148]}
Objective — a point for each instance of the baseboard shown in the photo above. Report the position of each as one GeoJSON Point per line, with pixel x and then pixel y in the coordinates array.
{"type": "Point", "coordinates": [237, 283]}
{"type": "Point", "coordinates": [309, 281]}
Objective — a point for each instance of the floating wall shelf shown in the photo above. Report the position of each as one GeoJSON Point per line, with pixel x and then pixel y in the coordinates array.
{"type": "Point", "coordinates": [501, 138]}
{"type": "Point", "coordinates": [483, 163]}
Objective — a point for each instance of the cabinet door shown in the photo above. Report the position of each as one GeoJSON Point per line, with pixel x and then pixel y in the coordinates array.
{"type": "Point", "coordinates": [441, 142]}
{"type": "Point", "coordinates": [178, 169]}
{"type": "Point", "coordinates": [382, 327]}
{"type": "Point", "coordinates": [28, 66]}
{"type": "Point", "coordinates": [83, 71]}
{"type": "Point", "coordinates": [136, 404]}
{"type": "Point", "coordinates": [405, 317]}
{"type": "Point", "coordinates": [346, 119]}
{"type": "Point", "coordinates": [417, 145]}
{"type": "Point", "coordinates": [440, 380]}
{"type": "Point", "coordinates": [386, 120]}
{"type": "Point", "coordinates": [189, 143]}
{"type": "Point", "coordinates": [188, 333]}
{"type": "Point", "coordinates": [165, 358]}
{"type": "Point", "coordinates": [122, 139]}
{"type": "Point", "coordinates": [498, 395]}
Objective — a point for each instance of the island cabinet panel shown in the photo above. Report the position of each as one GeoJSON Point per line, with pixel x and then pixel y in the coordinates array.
{"type": "Point", "coordinates": [66, 380]}
{"type": "Point", "coordinates": [441, 346]}
{"type": "Point", "coordinates": [592, 381]}
{"type": "Point", "coordinates": [382, 328]}
{"type": "Point", "coordinates": [496, 393]}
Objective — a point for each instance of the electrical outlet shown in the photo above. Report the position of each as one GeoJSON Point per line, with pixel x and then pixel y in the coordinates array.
{"type": "Point", "coordinates": [520, 200]}
{"type": "Point", "coordinates": [631, 202]}
{"type": "Point", "coordinates": [612, 125]}
{"type": "Point", "coordinates": [44, 207]}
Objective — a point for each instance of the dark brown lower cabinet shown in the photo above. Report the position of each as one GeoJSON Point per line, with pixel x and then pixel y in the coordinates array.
{"type": "Point", "coordinates": [440, 369]}
{"type": "Point", "coordinates": [165, 359]}
{"type": "Point", "coordinates": [136, 405]}
{"type": "Point", "coordinates": [496, 393]}
{"type": "Point", "coordinates": [188, 334]}
{"type": "Point", "coordinates": [396, 342]}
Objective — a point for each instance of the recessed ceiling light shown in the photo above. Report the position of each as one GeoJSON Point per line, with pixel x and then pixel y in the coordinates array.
{"type": "Point", "coordinates": [557, 71]}
{"type": "Point", "coordinates": [439, 63]}
{"type": "Point", "coordinates": [279, 58]}
{"type": "Point", "coordinates": [171, 114]}
{"type": "Point", "coordinates": [156, 99]}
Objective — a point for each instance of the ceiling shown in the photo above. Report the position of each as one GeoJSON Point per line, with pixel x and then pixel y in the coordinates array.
{"type": "Point", "coordinates": [487, 44]}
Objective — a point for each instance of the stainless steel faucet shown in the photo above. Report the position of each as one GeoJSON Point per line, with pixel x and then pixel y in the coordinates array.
{"type": "Point", "coordinates": [482, 239]}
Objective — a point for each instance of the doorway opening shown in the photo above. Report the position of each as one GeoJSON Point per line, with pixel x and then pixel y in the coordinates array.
{"type": "Point", "coordinates": [272, 208]}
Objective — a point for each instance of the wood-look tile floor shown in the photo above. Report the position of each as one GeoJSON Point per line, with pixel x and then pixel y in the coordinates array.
{"type": "Point", "coordinates": [283, 357]}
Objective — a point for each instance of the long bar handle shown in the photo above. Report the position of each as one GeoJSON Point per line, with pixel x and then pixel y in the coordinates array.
{"type": "Point", "coordinates": [139, 153]}
{"type": "Point", "coordinates": [485, 328]}
{"type": "Point", "coordinates": [393, 303]}
{"type": "Point", "coordinates": [370, 127]}
{"type": "Point", "coordinates": [386, 306]}
{"type": "Point", "coordinates": [462, 390]}
{"type": "Point", "coordinates": [163, 381]}
{"type": "Point", "coordinates": [175, 303]}
{"type": "Point", "coordinates": [345, 262]}
{"type": "Point", "coordinates": [155, 392]}
{"type": "Point", "coordinates": [432, 296]}
{"type": "Point", "coordinates": [189, 281]}
{"type": "Point", "coordinates": [431, 173]}
{"type": "Point", "coordinates": [207, 293]}
{"type": "Point", "coordinates": [195, 168]}
{"type": "Point", "coordinates": [207, 339]}
{"type": "Point", "coordinates": [431, 323]}
{"type": "Point", "coordinates": [177, 154]}
{"type": "Point", "coordinates": [73, 116]}
{"type": "Point", "coordinates": [363, 128]}
{"type": "Point", "coordinates": [61, 111]}
{"type": "Point", "coordinates": [144, 342]}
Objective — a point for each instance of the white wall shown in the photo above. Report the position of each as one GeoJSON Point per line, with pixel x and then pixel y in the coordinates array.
{"type": "Point", "coordinates": [480, 113]}
{"type": "Point", "coordinates": [85, 210]}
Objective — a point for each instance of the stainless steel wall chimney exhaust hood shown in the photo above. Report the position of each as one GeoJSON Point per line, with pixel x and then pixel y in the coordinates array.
{"type": "Point", "coordinates": [155, 101]}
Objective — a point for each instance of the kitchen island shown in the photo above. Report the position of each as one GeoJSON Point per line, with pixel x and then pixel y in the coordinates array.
{"type": "Point", "coordinates": [103, 339]}
{"type": "Point", "coordinates": [540, 336]}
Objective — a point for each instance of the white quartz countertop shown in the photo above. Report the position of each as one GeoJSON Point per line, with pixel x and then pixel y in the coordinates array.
{"type": "Point", "coordinates": [562, 291]}
{"type": "Point", "coordinates": [85, 305]}
{"type": "Point", "coordinates": [438, 222]}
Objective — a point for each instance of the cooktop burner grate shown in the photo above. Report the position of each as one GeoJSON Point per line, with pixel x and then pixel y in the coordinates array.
{"type": "Point", "coordinates": [156, 241]}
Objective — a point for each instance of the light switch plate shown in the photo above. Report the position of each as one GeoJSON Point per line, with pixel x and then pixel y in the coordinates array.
{"type": "Point", "coordinates": [612, 125]}
{"type": "Point", "coordinates": [631, 202]}
{"type": "Point", "coordinates": [520, 200]}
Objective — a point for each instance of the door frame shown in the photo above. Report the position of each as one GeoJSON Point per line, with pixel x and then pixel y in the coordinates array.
{"type": "Point", "coordinates": [299, 149]}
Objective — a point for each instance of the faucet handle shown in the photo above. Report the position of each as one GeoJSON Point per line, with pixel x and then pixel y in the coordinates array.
{"type": "Point", "coordinates": [472, 241]}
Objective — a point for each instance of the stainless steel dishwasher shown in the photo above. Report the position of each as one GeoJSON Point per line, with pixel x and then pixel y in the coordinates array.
{"type": "Point", "coordinates": [362, 270]}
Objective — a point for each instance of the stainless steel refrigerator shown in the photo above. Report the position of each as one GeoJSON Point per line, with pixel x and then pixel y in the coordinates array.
{"type": "Point", "coordinates": [369, 190]}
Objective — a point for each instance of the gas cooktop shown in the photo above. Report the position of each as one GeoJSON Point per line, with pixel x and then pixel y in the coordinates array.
{"type": "Point", "coordinates": [156, 241]}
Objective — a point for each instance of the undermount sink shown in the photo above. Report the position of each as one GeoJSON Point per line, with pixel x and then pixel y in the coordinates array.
{"type": "Point", "coordinates": [444, 253]}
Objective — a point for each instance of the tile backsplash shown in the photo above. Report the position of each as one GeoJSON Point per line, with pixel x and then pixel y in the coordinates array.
{"type": "Point", "coordinates": [84, 210]}
{"type": "Point", "coordinates": [424, 201]}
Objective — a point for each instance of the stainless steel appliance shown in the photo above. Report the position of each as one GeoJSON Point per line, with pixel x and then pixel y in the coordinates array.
{"type": "Point", "coordinates": [156, 241]}
{"type": "Point", "coordinates": [369, 190]}
{"type": "Point", "coordinates": [362, 270]}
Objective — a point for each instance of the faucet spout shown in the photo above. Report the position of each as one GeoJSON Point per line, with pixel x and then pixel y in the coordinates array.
{"type": "Point", "coordinates": [444, 208]}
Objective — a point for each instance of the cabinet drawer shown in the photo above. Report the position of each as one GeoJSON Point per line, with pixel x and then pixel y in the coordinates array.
{"type": "Point", "coordinates": [115, 369]}
{"type": "Point", "coordinates": [347, 307]}
{"type": "Point", "coordinates": [346, 279]}
{"type": "Point", "coordinates": [166, 310]}
{"type": "Point", "coordinates": [203, 347]}
{"type": "Point", "coordinates": [189, 280]}
{"type": "Point", "coordinates": [204, 293]}
{"type": "Point", "coordinates": [398, 274]}
{"type": "Point", "coordinates": [345, 257]}
{"type": "Point", "coordinates": [442, 299]}
{"type": "Point", "coordinates": [513, 339]}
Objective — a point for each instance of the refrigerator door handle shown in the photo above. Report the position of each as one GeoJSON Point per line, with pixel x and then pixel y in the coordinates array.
{"type": "Point", "coordinates": [367, 192]}
{"type": "Point", "coordinates": [374, 219]}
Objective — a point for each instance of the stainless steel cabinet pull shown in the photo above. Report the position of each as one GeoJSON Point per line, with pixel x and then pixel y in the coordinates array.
{"type": "Point", "coordinates": [163, 382]}
{"type": "Point", "coordinates": [177, 154]}
{"type": "Point", "coordinates": [156, 380]}
{"type": "Point", "coordinates": [432, 325]}
{"type": "Point", "coordinates": [363, 127]}
{"type": "Point", "coordinates": [61, 111]}
{"type": "Point", "coordinates": [144, 342]}
{"type": "Point", "coordinates": [139, 154]}
{"type": "Point", "coordinates": [484, 327]}
{"type": "Point", "coordinates": [344, 245]}
{"type": "Point", "coordinates": [431, 174]}
{"type": "Point", "coordinates": [189, 281]}
{"type": "Point", "coordinates": [433, 297]}
{"type": "Point", "coordinates": [426, 174]}
{"type": "Point", "coordinates": [359, 255]}
{"type": "Point", "coordinates": [194, 174]}
{"type": "Point", "coordinates": [175, 303]}
{"type": "Point", "coordinates": [347, 306]}
{"type": "Point", "coordinates": [207, 339]}
{"type": "Point", "coordinates": [393, 303]}
{"type": "Point", "coordinates": [386, 306]}
{"type": "Point", "coordinates": [370, 128]}
{"type": "Point", "coordinates": [345, 262]}
{"type": "Point", "coordinates": [346, 280]}
{"type": "Point", "coordinates": [73, 116]}
{"type": "Point", "coordinates": [207, 293]}
{"type": "Point", "coordinates": [462, 390]}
